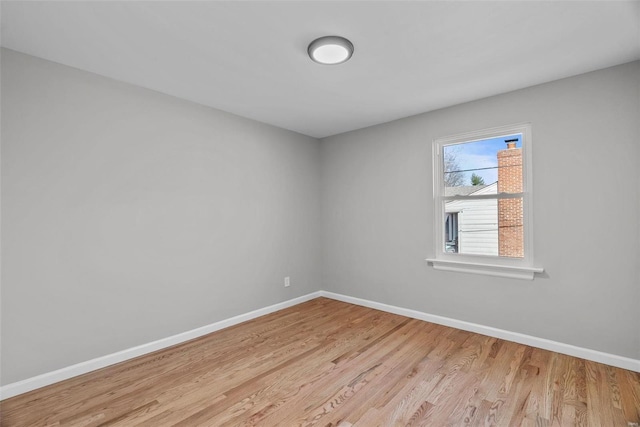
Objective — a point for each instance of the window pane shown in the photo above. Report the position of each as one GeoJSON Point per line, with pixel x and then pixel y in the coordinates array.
{"type": "Point", "coordinates": [487, 166]}
{"type": "Point", "coordinates": [485, 227]}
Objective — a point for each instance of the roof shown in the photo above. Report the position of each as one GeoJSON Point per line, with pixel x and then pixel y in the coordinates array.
{"type": "Point", "coordinates": [462, 190]}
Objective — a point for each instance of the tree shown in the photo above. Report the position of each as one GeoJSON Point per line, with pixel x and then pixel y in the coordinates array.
{"type": "Point", "coordinates": [476, 179]}
{"type": "Point", "coordinates": [452, 175]}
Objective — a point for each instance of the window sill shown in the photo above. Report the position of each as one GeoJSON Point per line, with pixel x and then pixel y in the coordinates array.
{"type": "Point", "coordinates": [513, 272]}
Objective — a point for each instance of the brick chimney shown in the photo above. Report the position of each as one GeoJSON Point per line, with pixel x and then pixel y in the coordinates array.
{"type": "Point", "coordinates": [510, 213]}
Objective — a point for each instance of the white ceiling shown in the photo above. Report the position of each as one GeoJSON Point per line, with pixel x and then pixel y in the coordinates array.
{"type": "Point", "coordinates": [249, 58]}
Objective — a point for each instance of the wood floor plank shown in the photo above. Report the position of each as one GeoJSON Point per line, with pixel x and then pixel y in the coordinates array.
{"type": "Point", "coordinates": [329, 363]}
{"type": "Point", "coordinates": [630, 401]}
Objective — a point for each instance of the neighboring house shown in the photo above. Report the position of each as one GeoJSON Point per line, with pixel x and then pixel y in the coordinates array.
{"type": "Point", "coordinates": [471, 226]}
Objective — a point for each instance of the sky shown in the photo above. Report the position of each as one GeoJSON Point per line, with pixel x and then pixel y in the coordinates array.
{"type": "Point", "coordinates": [481, 154]}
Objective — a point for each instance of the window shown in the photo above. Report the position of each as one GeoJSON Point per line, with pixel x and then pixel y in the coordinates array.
{"type": "Point", "coordinates": [451, 232]}
{"type": "Point", "coordinates": [482, 198]}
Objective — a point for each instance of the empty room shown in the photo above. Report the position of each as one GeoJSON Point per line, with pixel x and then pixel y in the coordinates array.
{"type": "Point", "coordinates": [327, 213]}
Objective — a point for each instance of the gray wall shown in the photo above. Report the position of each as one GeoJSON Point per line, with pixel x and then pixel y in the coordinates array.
{"type": "Point", "coordinates": [129, 216]}
{"type": "Point", "coordinates": [378, 214]}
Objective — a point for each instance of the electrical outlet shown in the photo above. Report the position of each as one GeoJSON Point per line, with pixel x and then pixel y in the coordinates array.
{"type": "Point", "coordinates": [287, 282]}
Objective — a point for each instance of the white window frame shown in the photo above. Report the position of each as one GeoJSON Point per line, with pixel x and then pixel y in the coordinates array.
{"type": "Point", "coordinates": [519, 268]}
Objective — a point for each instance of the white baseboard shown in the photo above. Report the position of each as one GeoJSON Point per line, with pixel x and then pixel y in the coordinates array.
{"type": "Point", "coordinates": [24, 386]}
{"type": "Point", "coordinates": [48, 378]}
{"type": "Point", "coordinates": [558, 347]}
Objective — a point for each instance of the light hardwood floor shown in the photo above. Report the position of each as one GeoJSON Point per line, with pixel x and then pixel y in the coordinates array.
{"type": "Point", "coordinates": [328, 363]}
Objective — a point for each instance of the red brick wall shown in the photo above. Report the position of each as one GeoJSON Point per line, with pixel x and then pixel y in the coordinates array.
{"type": "Point", "coordinates": [510, 213]}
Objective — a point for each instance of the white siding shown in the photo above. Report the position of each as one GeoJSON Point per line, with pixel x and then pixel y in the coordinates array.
{"type": "Point", "coordinates": [477, 223]}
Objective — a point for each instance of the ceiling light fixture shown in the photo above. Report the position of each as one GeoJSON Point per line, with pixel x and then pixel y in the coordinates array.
{"type": "Point", "coordinates": [330, 50]}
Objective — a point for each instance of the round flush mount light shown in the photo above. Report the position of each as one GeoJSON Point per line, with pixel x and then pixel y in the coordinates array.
{"type": "Point", "coordinates": [330, 50]}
